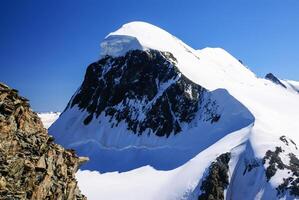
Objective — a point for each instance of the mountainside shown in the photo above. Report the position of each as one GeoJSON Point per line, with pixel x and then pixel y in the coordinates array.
{"type": "Point", "coordinates": [210, 128]}
{"type": "Point", "coordinates": [31, 165]}
{"type": "Point", "coordinates": [275, 80]}
{"type": "Point", "coordinates": [145, 101]}
{"type": "Point", "coordinates": [293, 85]}
{"type": "Point", "coordinates": [290, 85]}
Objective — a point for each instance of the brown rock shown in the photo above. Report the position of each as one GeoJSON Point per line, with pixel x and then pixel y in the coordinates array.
{"type": "Point", "coordinates": [83, 160]}
{"type": "Point", "coordinates": [2, 183]}
{"type": "Point", "coordinates": [41, 164]}
{"type": "Point", "coordinates": [31, 165]}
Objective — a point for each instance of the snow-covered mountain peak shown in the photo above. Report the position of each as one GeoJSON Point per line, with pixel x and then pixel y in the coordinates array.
{"type": "Point", "coordinates": [290, 85]}
{"type": "Point", "coordinates": [274, 79]}
{"type": "Point", "coordinates": [211, 68]}
{"type": "Point", "coordinates": [153, 100]}
{"type": "Point", "coordinates": [148, 88]}
{"type": "Point", "coordinates": [142, 36]}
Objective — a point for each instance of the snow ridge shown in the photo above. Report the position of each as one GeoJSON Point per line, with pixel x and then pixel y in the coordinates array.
{"type": "Point", "coordinates": [255, 114]}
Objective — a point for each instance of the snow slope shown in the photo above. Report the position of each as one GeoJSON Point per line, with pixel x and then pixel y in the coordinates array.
{"type": "Point", "coordinates": [291, 85]}
{"type": "Point", "coordinates": [173, 184]}
{"type": "Point", "coordinates": [269, 112]}
{"type": "Point", "coordinates": [131, 150]}
{"type": "Point", "coordinates": [48, 118]}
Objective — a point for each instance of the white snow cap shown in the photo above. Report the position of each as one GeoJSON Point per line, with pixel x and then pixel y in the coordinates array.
{"type": "Point", "coordinates": [139, 35]}
{"type": "Point", "coordinates": [207, 67]}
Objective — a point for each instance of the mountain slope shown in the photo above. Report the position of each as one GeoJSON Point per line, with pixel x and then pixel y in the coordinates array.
{"type": "Point", "coordinates": [293, 85]}
{"type": "Point", "coordinates": [153, 100]}
{"type": "Point", "coordinates": [150, 107]}
{"type": "Point", "coordinates": [290, 85]}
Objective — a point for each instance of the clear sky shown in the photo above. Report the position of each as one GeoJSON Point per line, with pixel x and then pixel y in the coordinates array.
{"type": "Point", "coordinates": [46, 45]}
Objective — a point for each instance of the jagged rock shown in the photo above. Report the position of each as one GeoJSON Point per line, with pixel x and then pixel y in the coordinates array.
{"type": "Point", "coordinates": [31, 165]}
{"type": "Point", "coordinates": [2, 183]}
{"type": "Point", "coordinates": [41, 164]}
{"type": "Point", "coordinates": [274, 79]}
{"type": "Point", "coordinates": [217, 179]}
{"type": "Point", "coordinates": [275, 161]}
{"type": "Point", "coordinates": [145, 90]}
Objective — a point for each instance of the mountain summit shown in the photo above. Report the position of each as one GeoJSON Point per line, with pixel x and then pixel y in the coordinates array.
{"type": "Point", "coordinates": [204, 121]}
{"type": "Point", "coordinates": [142, 100]}
{"type": "Point", "coordinates": [137, 35]}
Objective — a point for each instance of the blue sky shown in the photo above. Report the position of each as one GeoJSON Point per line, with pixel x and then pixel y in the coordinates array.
{"type": "Point", "coordinates": [45, 46]}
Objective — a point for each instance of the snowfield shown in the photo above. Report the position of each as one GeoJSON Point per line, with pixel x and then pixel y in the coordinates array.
{"type": "Point", "coordinates": [148, 183]}
{"type": "Point", "coordinates": [48, 118]}
{"type": "Point", "coordinates": [291, 85]}
{"type": "Point", "coordinates": [256, 113]}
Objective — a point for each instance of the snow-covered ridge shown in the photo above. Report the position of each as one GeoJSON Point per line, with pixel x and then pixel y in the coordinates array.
{"type": "Point", "coordinates": [256, 113]}
{"type": "Point", "coordinates": [142, 36]}
{"type": "Point", "coordinates": [152, 110]}
{"type": "Point", "coordinates": [291, 85]}
{"type": "Point", "coordinates": [139, 35]}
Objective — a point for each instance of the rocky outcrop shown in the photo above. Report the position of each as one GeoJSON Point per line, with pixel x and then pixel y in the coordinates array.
{"type": "Point", "coordinates": [280, 165]}
{"type": "Point", "coordinates": [32, 166]}
{"type": "Point", "coordinates": [282, 160]}
{"type": "Point", "coordinates": [274, 79]}
{"type": "Point", "coordinates": [145, 90]}
{"type": "Point", "coordinates": [217, 180]}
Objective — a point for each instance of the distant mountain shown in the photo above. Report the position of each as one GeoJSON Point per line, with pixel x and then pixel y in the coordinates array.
{"type": "Point", "coordinates": [206, 124]}
{"type": "Point", "coordinates": [290, 85]}
{"type": "Point", "coordinates": [274, 79]}
{"type": "Point", "coordinates": [48, 118]}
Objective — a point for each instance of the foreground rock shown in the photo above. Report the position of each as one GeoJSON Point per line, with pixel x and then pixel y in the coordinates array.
{"type": "Point", "coordinates": [31, 165]}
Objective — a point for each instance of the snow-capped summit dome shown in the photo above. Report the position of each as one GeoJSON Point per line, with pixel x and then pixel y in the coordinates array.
{"type": "Point", "coordinates": [139, 35]}
{"type": "Point", "coordinates": [189, 114]}
{"type": "Point", "coordinates": [210, 67]}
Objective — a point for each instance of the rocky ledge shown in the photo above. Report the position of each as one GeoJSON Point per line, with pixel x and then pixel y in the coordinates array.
{"type": "Point", "coordinates": [32, 166]}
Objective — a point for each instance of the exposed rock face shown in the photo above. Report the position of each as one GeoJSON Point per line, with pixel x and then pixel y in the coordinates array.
{"type": "Point", "coordinates": [274, 79]}
{"type": "Point", "coordinates": [282, 165]}
{"type": "Point", "coordinates": [31, 165]}
{"type": "Point", "coordinates": [217, 179]}
{"type": "Point", "coordinates": [146, 90]}
{"type": "Point", "coordinates": [276, 161]}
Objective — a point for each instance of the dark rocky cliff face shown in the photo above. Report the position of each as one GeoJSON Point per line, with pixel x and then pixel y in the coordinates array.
{"type": "Point", "coordinates": [274, 79]}
{"type": "Point", "coordinates": [31, 165]}
{"type": "Point", "coordinates": [146, 90]}
{"type": "Point", "coordinates": [217, 179]}
{"type": "Point", "coordinates": [276, 161]}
